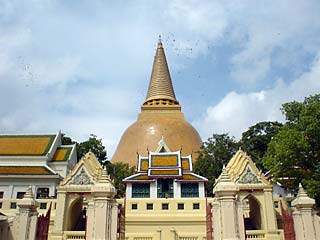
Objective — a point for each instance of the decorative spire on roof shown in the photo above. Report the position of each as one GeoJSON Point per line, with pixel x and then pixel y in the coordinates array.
{"type": "Point", "coordinates": [29, 193]}
{"type": "Point", "coordinates": [160, 90]}
{"type": "Point", "coordinates": [224, 183]}
{"type": "Point", "coordinates": [302, 192]}
{"type": "Point", "coordinates": [224, 177]}
{"type": "Point", "coordinates": [303, 200]}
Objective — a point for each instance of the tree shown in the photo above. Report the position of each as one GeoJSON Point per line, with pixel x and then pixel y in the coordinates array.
{"type": "Point", "coordinates": [214, 153]}
{"type": "Point", "coordinates": [117, 172]}
{"type": "Point", "coordinates": [67, 140]}
{"type": "Point", "coordinates": [256, 139]}
{"type": "Point", "coordinates": [293, 155]}
{"type": "Point", "coordinates": [93, 144]}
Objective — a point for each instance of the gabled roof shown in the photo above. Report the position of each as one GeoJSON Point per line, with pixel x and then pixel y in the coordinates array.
{"type": "Point", "coordinates": [138, 177]}
{"type": "Point", "coordinates": [163, 164]}
{"type": "Point", "coordinates": [25, 145]}
{"type": "Point", "coordinates": [62, 153]}
{"type": "Point", "coordinates": [26, 170]}
{"type": "Point", "coordinates": [85, 173]}
{"type": "Point", "coordinates": [167, 160]}
{"type": "Point", "coordinates": [192, 177]}
{"type": "Point", "coordinates": [186, 163]}
{"type": "Point", "coordinates": [242, 170]}
{"type": "Point", "coordinates": [143, 177]}
{"type": "Point", "coordinates": [143, 164]}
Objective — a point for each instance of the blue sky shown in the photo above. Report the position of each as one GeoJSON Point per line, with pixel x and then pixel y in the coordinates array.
{"type": "Point", "coordinates": [84, 66]}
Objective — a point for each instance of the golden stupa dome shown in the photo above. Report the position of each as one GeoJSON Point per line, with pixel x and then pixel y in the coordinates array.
{"type": "Point", "coordinates": [160, 118]}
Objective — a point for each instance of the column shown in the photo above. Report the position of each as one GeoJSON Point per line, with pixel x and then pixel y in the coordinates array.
{"type": "Point", "coordinates": [270, 217]}
{"type": "Point", "coordinates": [226, 192]}
{"type": "Point", "coordinates": [303, 216]}
{"type": "Point", "coordinates": [60, 212]}
{"type": "Point", "coordinates": [216, 223]}
{"type": "Point", "coordinates": [103, 214]}
{"type": "Point", "coordinates": [25, 224]}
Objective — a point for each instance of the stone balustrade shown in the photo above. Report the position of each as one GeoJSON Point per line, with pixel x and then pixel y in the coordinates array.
{"type": "Point", "coordinates": [74, 235]}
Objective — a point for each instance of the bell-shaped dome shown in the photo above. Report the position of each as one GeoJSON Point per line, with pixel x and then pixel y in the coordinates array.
{"type": "Point", "coordinates": [160, 117]}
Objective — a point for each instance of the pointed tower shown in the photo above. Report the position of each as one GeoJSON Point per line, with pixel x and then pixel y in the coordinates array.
{"type": "Point", "coordinates": [160, 117]}
{"type": "Point", "coordinates": [160, 87]}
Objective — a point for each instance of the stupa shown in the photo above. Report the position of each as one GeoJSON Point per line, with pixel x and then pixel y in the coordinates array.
{"type": "Point", "coordinates": [160, 118]}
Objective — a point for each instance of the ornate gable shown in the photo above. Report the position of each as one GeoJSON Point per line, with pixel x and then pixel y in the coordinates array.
{"type": "Point", "coordinates": [84, 175]}
{"type": "Point", "coordinates": [81, 178]}
{"type": "Point", "coordinates": [249, 177]}
{"type": "Point", "coordinates": [162, 146]}
{"type": "Point", "coordinates": [242, 170]}
{"type": "Point", "coordinates": [164, 164]}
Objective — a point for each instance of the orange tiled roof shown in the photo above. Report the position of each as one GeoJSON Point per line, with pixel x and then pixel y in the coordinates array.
{"type": "Point", "coordinates": [190, 177]}
{"type": "Point", "coordinates": [164, 160]}
{"type": "Point", "coordinates": [164, 172]}
{"type": "Point", "coordinates": [185, 164]}
{"type": "Point", "coordinates": [62, 154]}
{"type": "Point", "coordinates": [139, 177]}
{"type": "Point", "coordinates": [144, 165]}
{"type": "Point", "coordinates": [25, 144]}
{"type": "Point", "coordinates": [142, 177]}
{"type": "Point", "coordinates": [185, 177]}
{"type": "Point", "coordinates": [28, 170]}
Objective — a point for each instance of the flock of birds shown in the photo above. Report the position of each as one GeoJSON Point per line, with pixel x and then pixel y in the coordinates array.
{"type": "Point", "coordinates": [185, 50]}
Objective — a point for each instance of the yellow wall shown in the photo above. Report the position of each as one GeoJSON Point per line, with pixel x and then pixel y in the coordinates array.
{"type": "Point", "coordinates": [165, 224]}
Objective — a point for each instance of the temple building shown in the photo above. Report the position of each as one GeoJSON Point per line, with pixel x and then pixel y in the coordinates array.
{"type": "Point", "coordinates": [165, 190]}
{"type": "Point", "coordinates": [46, 194]}
{"type": "Point", "coordinates": [39, 161]}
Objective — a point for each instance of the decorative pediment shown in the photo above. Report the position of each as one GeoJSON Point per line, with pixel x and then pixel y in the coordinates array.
{"type": "Point", "coordinates": [85, 173]}
{"type": "Point", "coordinates": [248, 177]}
{"type": "Point", "coordinates": [243, 170]}
{"type": "Point", "coordinates": [82, 178]}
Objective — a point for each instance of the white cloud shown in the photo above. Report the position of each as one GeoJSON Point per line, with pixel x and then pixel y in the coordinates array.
{"type": "Point", "coordinates": [270, 30]}
{"type": "Point", "coordinates": [237, 111]}
{"type": "Point", "coordinates": [84, 67]}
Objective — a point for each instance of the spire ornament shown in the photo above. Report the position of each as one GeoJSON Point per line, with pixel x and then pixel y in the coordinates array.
{"type": "Point", "coordinates": [160, 90]}
{"type": "Point", "coordinates": [29, 193]}
{"type": "Point", "coordinates": [301, 191]}
{"type": "Point", "coordinates": [303, 200]}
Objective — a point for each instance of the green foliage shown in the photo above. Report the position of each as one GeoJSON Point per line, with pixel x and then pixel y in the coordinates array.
{"type": "Point", "coordinates": [294, 152]}
{"type": "Point", "coordinates": [215, 153]}
{"type": "Point", "coordinates": [93, 144]}
{"type": "Point", "coordinates": [119, 171]}
{"type": "Point", "coordinates": [256, 139]}
{"type": "Point", "coordinates": [67, 140]}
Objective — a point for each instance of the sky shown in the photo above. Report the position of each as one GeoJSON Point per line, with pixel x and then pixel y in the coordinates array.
{"type": "Point", "coordinates": [83, 67]}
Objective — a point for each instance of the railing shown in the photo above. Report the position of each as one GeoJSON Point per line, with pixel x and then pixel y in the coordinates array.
{"type": "Point", "coordinates": [74, 235]}
{"type": "Point", "coordinates": [188, 238]}
{"type": "Point", "coordinates": [165, 195]}
{"type": "Point", "coordinates": [256, 234]}
{"type": "Point", "coordinates": [142, 238]}
{"type": "Point", "coordinates": [261, 234]}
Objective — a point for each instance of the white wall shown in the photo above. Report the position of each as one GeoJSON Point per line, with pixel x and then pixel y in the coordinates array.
{"type": "Point", "coordinates": [11, 187]}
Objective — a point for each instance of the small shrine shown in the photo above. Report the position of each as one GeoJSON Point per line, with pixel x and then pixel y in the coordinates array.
{"type": "Point", "coordinates": [164, 174]}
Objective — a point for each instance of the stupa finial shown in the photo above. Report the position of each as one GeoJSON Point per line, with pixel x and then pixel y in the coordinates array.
{"type": "Point", "coordinates": [160, 90]}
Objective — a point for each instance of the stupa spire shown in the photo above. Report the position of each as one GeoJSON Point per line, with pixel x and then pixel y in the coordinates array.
{"type": "Point", "coordinates": [160, 90]}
